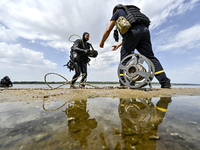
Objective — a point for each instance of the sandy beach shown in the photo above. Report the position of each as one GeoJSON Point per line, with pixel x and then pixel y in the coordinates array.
{"type": "Point", "coordinates": [30, 94]}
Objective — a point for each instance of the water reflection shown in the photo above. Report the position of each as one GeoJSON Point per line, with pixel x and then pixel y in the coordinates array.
{"type": "Point", "coordinates": [79, 124]}
{"type": "Point", "coordinates": [140, 120]}
{"type": "Point", "coordinates": [101, 123]}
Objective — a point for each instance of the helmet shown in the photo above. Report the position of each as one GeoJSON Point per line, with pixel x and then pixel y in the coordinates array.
{"type": "Point", "coordinates": [117, 7]}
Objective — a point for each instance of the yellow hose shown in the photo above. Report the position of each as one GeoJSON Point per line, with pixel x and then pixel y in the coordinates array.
{"type": "Point", "coordinates": [76, 35]}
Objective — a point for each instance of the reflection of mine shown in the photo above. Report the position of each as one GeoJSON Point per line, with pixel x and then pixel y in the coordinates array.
{"type": "Point", "coordinates": [140, 120]}
{"type": "Point", "coordinates": [136, 115]}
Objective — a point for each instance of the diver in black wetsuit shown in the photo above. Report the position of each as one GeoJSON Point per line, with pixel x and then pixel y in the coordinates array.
{"type": "Point", "coordinates": [80, 51]}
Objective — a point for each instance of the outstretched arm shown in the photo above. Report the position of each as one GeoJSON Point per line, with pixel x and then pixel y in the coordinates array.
{"type": "Point", "coordinates": [107, 33]}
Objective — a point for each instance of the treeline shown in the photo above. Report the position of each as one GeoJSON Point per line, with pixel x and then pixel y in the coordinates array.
{"type": "Point", "coordinates": [41, 82]}
{"type": "Point", "coordinates": [29, 82]}
{"type": "Point", "coordinates": [90, 82]}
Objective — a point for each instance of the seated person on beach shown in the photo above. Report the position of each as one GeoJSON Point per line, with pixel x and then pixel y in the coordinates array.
{"type": "Point", "coordinates": [5, 82]}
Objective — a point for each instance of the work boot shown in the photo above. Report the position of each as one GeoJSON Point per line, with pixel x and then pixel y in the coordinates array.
{"type": "Point", "coordinates": [166, 86]}
{"type": "Point", "coordinates": [121, 87]}
{"type": "Point", "coordinates": [132, 83]}
{"type": "Point", "coordinates": [72, 87]}
{"type": "Point", "coordinates": [82, 86]}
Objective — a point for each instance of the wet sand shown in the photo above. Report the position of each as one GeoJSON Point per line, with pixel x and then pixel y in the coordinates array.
{"type": "Point", "coordinates": [31, 94]}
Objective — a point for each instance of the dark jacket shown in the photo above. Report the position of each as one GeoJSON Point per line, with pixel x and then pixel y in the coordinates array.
{"type": "Point", "coordinates": [80, 50]}
{"type": "Point", "coordinates": [5, 82]}
{"type": "Point", "coordinates": [133, 14]}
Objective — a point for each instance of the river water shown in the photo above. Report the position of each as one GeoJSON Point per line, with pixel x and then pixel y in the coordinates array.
{"type": "Point", "coordinates": [99, 85]}
{"type": "Point", "coordinates": [158, 123]}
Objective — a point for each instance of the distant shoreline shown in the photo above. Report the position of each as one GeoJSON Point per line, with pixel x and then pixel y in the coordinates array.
{"type": "Point", "coordinates": [91, 82]}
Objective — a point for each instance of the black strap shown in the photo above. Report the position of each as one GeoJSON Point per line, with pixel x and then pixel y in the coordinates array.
{"type": "Point", "coordinates": [90, 45]}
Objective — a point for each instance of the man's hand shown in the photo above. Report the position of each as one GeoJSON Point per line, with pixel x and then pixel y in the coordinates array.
{"type": "Point", "coordinates": [115, 47]}
{"type": "Point", "coordinates": [101, 44]}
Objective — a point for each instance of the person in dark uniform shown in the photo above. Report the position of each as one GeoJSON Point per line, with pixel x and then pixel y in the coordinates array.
{"type": "Point", "coordinates": [137, 37]}
{"type": "Point", "coordinates": [80, 51]}
{"type": "Point", "coordinates": [5, 82]}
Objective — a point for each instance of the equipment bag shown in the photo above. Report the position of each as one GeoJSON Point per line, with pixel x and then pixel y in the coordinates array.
{"type": "Point", "coordinates": [122, 25]}
{"type": "Point", "coordinates": [133, 16]}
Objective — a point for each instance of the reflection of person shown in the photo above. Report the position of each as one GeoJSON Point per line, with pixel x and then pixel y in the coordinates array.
{"type": "Point", "coordinates": [161, 108]}
{"type": "Point", "coordinates": [79, 124]}
{"type": "Point", "coordinates": [80, 51]}
{"type": "Point", "coordinates": [140, 121]}
{"type": "Point", "coordinates": [5, 82]}
{"type": "Point", "coordinates": [137, 37]}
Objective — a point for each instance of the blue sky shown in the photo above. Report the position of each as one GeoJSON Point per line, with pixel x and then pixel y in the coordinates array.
{"type": "Point", "coordinates": [34, 37]}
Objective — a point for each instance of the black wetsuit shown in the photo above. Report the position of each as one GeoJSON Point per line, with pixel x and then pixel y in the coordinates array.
{"type": "Point", "coordinates": [138, 37]}
{"type": "Point", "coordinates": [81, 63]}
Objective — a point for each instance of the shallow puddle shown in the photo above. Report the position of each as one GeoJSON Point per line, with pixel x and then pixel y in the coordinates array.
{"type": "Point", "coordinates": [102, 123]}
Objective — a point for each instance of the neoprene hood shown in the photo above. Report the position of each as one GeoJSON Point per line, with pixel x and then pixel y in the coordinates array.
{"type": "Point", "coordinates": [83, 38]}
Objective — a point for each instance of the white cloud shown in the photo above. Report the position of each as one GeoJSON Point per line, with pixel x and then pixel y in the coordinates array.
{"type": "Point", "coordinates": [63, 46]}
{"type": "Point", "coordinates": [186, 74]}
{"type": "Point", "coordinates": [185, 39]}
{"type": "Point", "coordinates": [106, 73]}
{"type": "Point", "coordinates": [32, 41]}
{"type": "Point", "coordinates": [163, 11]}
{"type": "Point", "coordinates": [196, 58]}
{"type": "Point", "coordinates": [7, 34]}
{"type": "Point", "coordinates": [52, 22]}
{"type": "Point", "coordinates": [17, 56]}
{"type": "Point", "coordinates": [183, 7]}
{"type": "Point", "coordinates": [23, 64]}
{"type": "Point", "coordinates": [55, 21]}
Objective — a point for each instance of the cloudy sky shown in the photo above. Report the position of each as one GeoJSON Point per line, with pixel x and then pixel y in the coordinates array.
{"type": "Point", "coordinates": [34, 37]}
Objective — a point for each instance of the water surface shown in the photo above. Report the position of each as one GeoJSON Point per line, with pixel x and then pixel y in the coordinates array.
{"type": "Point", "coordinates": [99, 85]}
{"type": "Point", "coordinates": [102, 123]}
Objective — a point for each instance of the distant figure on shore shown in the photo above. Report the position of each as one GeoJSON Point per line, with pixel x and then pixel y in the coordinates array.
{"type": "Point", "coordinates": [5, 82]}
